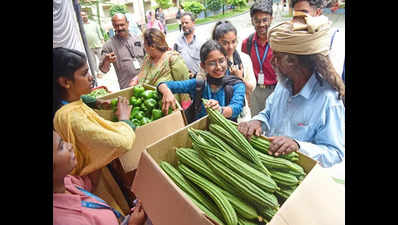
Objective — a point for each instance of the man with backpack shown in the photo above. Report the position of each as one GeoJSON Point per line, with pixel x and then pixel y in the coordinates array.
{"type": "Point", "coordinates": [257, 47]}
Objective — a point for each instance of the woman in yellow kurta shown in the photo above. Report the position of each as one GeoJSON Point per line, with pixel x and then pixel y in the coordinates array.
{"type": "Point", "coordinates": [96, 141]}
{"type": "Point", "coordinates": [162, 64]}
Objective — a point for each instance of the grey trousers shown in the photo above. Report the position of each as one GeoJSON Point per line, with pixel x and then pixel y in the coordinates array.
{"type": "Point", "coordinates": [258, 98]}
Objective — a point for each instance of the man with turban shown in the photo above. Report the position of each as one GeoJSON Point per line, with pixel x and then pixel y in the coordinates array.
{"type": "Point", "coordinates": [305, 112]}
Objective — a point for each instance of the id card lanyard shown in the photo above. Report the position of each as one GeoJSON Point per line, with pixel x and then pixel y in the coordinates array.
{"type": "Point", "coordinates": [260, 76]}
{"type": "Point", "coordinates": [95, 205]}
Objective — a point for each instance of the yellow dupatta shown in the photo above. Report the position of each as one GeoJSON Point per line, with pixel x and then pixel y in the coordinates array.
{"type": "Point", "coordinates": [96, 141]}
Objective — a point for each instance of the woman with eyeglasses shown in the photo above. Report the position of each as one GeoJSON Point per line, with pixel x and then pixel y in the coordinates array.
{"type": "Point", "coordinates": [239, 65]}
{"type": "Point", "coordinates": [214, 62]}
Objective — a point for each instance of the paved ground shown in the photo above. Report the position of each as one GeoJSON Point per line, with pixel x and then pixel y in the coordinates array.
{"type": "Point", "coordinates": [244, 27]}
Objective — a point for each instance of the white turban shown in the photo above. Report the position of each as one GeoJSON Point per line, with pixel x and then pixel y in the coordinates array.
{"type": "Point", "coordinates": [301, 39]}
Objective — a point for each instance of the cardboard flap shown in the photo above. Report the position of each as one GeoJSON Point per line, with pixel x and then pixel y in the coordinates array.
{"type": "Point", "coordinates": [148, 134]}
{"type": "Point", "coordinates": [318, 200]}
{"type": "Point", "coordinates": [166, 207]}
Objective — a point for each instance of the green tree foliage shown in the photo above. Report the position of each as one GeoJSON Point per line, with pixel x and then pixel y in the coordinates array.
{"type": "Point", "coordinates": [164, 4]}
{"type": "Point", "coordinates": [237, 3]}
{"type": "Point", "coordinates": [214, 5]}
{"type": "Point", "coordinates": [194, 7]}
{"type": "Point", "coordinates": [118, 9]}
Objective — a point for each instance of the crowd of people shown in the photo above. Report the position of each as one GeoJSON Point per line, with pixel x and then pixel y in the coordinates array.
{"type": "Point", "coordinates": [282, 84]}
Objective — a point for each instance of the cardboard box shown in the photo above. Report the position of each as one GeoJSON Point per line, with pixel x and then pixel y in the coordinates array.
{"type": "Point", "coordinates": [317, 200]}
{"type": "Point", "coordinates": [148, 133]}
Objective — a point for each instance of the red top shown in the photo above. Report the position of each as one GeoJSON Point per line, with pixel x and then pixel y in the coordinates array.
{"type": "Point", "coordinates": [269, 73]}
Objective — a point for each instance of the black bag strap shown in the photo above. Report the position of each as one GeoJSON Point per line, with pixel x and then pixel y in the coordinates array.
{"type": "Point", "coordinates": [200, 84]}
{"type": "Point", "coordinates": [228, 93]}
{"type": "Point", "coordinates": [228, 90]}
{"type": "Point", "coordinates": [194, 107]}
{"type": "Point", "coordinates": [249, 44]}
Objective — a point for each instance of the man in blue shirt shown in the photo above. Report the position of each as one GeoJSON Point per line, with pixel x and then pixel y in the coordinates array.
{"type": "Point", "coordinates": [304, 113]}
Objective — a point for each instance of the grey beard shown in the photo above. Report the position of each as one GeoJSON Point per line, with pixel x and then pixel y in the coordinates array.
{"type": "Point", "coordinates": [282, 78]}
{"type": "Point", "coordinates": [187, 32]}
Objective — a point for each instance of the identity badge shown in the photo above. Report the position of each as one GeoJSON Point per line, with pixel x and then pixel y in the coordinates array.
{"type": "Point", "coordinates": [260, 79]}
{"type": "Point", "coordinates": [136, 64]}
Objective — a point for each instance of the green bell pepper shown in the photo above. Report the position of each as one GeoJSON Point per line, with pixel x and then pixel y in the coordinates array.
{"type": "Point", "coordinates": [145, 120]}
{"type": "Point", "coordinates": [138, 90]}
{"type": "Point", "coordinates": [139, 115]}
{"type": "Point", "coordinates": [114, 104]}
{"type": "Point", "coordinates": [155, 95]}
{"type": "Point", "coordinates": [136, 122]}
{"type": "Point", "coordinates": [150, 94]}
{"type": "Point", "coordinates": [114, 118]}
{"type": "Point", "coordinates": [156, 114]}
{"type": "Point", "coordinates": [143, 107]}
{"type": "Point", "coordinates": [135, 101]}
{"type": "Point", "coordinates": [150, 103]}
{"type": "Point", "coordinates": [134, 111]}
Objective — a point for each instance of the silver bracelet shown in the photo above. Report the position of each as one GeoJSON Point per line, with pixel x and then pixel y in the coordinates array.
{"type": "Point", "coordinates": [221, 110]}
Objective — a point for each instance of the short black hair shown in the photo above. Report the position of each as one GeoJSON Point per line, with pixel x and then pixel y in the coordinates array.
{"type": "Point", "coordinates": [261, 6]}
{"type": "Point", "coordinates": [209, 46]}
{"type": "Point", "coordinates": [190, 15]}
{"type": "Point", "coordinates": [313, 3]}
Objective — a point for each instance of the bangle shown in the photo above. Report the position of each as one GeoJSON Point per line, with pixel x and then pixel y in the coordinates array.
{"type": "Point", "coordinates": [298, 145]}
{"type": "Point", "coordinates": [221, 110]}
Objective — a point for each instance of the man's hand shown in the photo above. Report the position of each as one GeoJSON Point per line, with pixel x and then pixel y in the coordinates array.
{"type": "Point", "coordinates": [138, 216]}
{"type": "Point", "coordinates": [281, 145]}
{"type": "Point", "coordinates": [250, 127]}
{"type": "Point", "coordinates": [110, 57]}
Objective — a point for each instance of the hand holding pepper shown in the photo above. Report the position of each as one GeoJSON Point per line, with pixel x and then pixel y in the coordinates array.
{"type": "Point", "coordinates": [168, 98]}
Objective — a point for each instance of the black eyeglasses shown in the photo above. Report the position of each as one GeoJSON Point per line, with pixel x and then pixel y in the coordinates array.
{"type": "Point", "coordinates": [258, 22]}
{"type": "Point", "coordinates": [220, 62]}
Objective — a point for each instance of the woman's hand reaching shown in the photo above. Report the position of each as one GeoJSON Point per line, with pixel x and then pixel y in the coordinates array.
{"type": "Point", "coordinates": [123, 109]}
